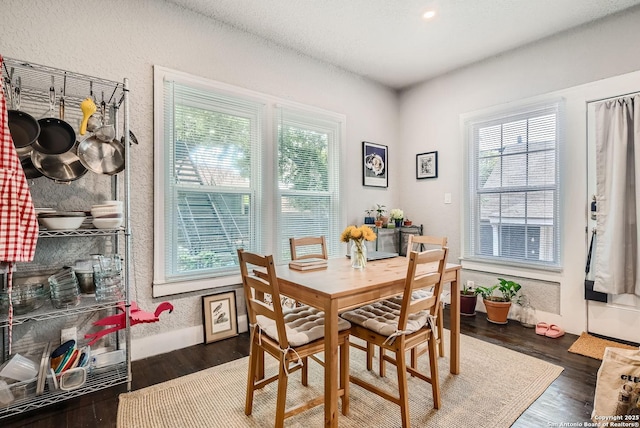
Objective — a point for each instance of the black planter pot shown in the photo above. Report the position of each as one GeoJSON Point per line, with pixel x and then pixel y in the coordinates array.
{"type": "Point", "coordinates": [468, 304]}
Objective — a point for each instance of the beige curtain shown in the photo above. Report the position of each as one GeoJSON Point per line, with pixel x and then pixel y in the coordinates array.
{"type": "Point", "coordinates": [617, 264]}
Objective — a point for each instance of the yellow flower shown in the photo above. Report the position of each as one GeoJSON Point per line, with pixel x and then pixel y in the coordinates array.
{"type": "Point", "coordinates": [358, 233]}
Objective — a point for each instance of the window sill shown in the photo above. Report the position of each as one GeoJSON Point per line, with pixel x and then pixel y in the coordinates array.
{"type": "Point", "coordinates": [543, 274]}
{"type": "Point", "coordinates": [171, 288]}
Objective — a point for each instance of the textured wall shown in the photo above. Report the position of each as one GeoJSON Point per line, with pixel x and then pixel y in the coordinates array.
{"type": "Point", "coordinates": [118, 39]}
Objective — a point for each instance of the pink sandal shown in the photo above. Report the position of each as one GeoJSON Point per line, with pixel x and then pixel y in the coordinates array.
{"type": "Point", "coordinates": [554, 331]}
{"type": "Point", "coordinates": [542, 328]}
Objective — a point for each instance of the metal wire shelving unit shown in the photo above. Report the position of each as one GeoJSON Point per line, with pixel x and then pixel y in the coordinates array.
{"type": "Point", "coordinates": [36, 81]}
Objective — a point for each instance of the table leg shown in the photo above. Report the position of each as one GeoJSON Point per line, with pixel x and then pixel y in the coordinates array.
{"type": "Point", "coordinates": [454, 325]}
{"type": "Point", "coordinates": [331, 364]}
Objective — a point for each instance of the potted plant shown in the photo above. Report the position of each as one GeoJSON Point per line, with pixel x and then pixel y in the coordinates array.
{"type": "Point", "coordinates": [397, 215]}
{"type": "Point", "coordinates": [498, 306]}
{"type": "Point", "coordinates": [468, 300]}
{"type": "Point", "coordinates": [380, 218]}
{"type": "Point", "coordinates": [369, 218]}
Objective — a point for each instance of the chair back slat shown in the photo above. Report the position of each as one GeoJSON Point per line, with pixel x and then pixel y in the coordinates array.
{"type": "Point", "coordinates": [318, 250]}
{"type": "Point", "coordinates": [435, 262]}
{"type": "Point", "coordinates": [425, 242]}
{"type": "Point", "coordinates": [255, 287]}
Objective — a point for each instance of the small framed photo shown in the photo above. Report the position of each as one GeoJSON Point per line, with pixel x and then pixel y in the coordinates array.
{"type": "Point", "coordinates": [427, 165]}
{"type": "Point", "coordinates": [219, 316]}
{"type": "Point", "coordinates": [374, 167]}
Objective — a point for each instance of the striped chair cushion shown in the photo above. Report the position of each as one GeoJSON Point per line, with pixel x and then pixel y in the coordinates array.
{"type": "Point", "coordinates": [382, 317]}
{"type": "Point", "coordinates": [303, 325]}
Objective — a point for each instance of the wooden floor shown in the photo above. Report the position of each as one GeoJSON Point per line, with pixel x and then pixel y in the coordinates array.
{"type": "Point", "coordinates": [568, 399]}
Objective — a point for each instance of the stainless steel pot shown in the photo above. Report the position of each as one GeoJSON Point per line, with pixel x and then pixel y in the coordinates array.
{"type": "Point", "coordinates": [62, 168]}
{"type": "Point", "coordinates": [101, 157]}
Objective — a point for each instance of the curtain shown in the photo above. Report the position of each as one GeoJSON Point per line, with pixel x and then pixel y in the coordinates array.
{"type": "Point", "coordinates": [618, 193]}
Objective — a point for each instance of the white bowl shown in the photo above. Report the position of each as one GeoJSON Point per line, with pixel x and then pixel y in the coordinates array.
{"type": "Point", "coordinates": [107, 223]}
{"type": "Point", "coordinates": [103, 210]}
{"type": "Point", "coordinates": [61, 223]}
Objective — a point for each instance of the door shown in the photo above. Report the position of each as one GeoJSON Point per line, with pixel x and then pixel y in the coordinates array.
{"type": "Point", "coordinates": [620, 316]}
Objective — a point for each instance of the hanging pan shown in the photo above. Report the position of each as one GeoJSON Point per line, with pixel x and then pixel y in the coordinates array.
{"type": "Point", "coordinates": [56, 135]}
{"type": "Point", "coordinates": [30, 171]}
{"type": "Point", "coordinates": [63, 168]}
{"type": "Point", "coordinates": [23, 127]}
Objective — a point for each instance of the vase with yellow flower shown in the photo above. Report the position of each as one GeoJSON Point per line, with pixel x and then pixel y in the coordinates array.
{"type": "Point", "coordinates": [356, 236]}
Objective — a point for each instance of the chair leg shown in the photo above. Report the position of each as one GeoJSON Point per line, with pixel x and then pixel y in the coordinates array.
{"type": "Point", "coordinates": [383, 368]}
{"type": "Point", "coordinates": [344, 375]}
{"type": "Point", "coordinates": [440, 323]}
{"type": "Point", "coordinates": [433, 364]}
{"type": "Point", "coordinates": [305, 371]}
{"type": "Point", "coordinates": [401, 365]}
{"type": "Point", "coordinates": [370, 352]}
{"type": "Point", "coordinates": [259, 373]}
{"type": "Point", "coordinates": [251, 375]}
{"type": "Point", "coordinates": [281, 401]}
{"type": "Point", "coordinates": [414, 358]}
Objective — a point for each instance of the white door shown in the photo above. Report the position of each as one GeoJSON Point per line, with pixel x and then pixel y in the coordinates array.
{"type": "Point", "coordinates": [620, 316]}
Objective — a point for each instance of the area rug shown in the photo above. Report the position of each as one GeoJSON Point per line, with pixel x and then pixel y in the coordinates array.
{"type": "Point", "coordinates": [592, 346]}
{"type": "Point", "coordinates": [494, 387]}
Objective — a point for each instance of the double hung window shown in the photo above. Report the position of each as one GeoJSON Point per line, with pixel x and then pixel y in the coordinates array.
{"type": "Point", "coordinates": [512, 201]}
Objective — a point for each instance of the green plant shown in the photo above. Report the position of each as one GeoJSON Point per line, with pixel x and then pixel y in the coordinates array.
{"type": "Point", "coordinates": [369, 212]}
{"type": "Point", "coordinates": [380, 209]}
{"type": "Point", "coordinates": [468, 291]}
{"type": "Point", "coordinates": [509, 289]}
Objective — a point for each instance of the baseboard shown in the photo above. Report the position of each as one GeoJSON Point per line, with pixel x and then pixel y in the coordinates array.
{"type": "Point", "coordinates": [149, 346]}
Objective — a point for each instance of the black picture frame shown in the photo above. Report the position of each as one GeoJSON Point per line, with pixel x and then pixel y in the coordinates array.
{"type": "Point", "coordinates": [375, 161]}
{"type": "Point", "coordinates": [219, 316]}
{"type": "Point", "coordinates": [427, 165]}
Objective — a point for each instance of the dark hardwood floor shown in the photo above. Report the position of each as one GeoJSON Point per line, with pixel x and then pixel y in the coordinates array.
{"type": "Point", "coordinates": [569, 399]}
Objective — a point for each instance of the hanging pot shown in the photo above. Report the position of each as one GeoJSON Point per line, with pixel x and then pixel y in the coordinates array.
{"type": "Point", "coordinates": [63, 168]}
{"type": "Point", "coordinates": [23, 127]}
{"type": "Point", "coordinates": [30, 171]}
{"type": "Point", "coordinates": [56, 135]}
{"type": "Point", "coordinates": [101, 157]}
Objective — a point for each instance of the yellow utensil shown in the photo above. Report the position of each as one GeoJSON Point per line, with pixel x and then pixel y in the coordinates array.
{"type": "Point", "coordinates": [88, 107]}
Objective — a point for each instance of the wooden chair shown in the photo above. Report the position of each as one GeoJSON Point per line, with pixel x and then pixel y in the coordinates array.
{"type": "Point", "coordinates": [288, 336]}
{"type": "Point", "coordinates": [401, 329]}
{"type": "Point", "coordinates": [315, 247]}
{"type": "Point", "coordinates": [421, 243]}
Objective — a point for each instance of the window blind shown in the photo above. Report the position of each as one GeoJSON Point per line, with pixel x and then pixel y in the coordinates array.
{"type": "Point", "coordinates": [214, 172]}
{"type": "Point", "coordinates": [308, 178]}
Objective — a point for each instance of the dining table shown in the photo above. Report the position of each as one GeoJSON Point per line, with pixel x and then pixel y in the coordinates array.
{"type": "Point", "coordinates": [339, 287]}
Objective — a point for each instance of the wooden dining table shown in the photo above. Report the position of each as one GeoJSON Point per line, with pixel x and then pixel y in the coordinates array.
{"type": "Point", "coordinates": [339, 287]}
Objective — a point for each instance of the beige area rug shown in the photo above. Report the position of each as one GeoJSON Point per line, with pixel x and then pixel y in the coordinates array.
{"type": "Point", "coordinates": [593, 347]}
{"type": "Point", "coordinates": [494, 387]}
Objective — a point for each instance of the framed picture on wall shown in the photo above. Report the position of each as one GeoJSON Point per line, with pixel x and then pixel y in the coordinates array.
{"type": "Point", "coordinates": [219, 316]}
{"type": "Point", "coordinates": [427, 165]}
{"type": "Point", "coordinates": [374, 165]}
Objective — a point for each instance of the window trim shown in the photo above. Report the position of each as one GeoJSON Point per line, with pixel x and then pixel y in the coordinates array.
{"type": "Point", "coordinates": [269, 195]}
{"type": "Point", "coordinates": [502, 113]}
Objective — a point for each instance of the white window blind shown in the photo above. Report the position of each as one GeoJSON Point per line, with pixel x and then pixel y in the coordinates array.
{"type": "Point", "coordinates": [513, 190]}
{"type": "Point", "coordinates": [213, 176]}
{"type": "Point", "coordinates": [308, 178]}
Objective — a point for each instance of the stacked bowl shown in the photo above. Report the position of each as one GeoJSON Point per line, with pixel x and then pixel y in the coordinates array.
{"type": "Point", "coordinates": [107, 277]}
{"type": "Point", "coordinates": [107, 215]}
{"type": "Point", "coordinates": [24, 298]}
{"type": "Point", "coordinates": [64, 289]}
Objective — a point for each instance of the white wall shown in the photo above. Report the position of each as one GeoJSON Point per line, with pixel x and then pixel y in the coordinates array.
{"type": "Point", "coordinates": [430, 120]}
{"type": "Point", "coordinates": [117, 39]}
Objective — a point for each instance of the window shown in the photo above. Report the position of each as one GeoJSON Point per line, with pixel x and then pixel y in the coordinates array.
{"type": "Point", "coordinates": [217, 149]}
{"type": "Point", "coordinates": [512, 209]}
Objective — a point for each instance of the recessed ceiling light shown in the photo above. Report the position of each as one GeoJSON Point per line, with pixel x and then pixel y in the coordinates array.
{"type": "Point", "coordinates": [429, 14]}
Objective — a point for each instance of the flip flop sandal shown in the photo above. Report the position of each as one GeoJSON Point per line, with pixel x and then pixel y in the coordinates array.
{"type": "Point", "coordinates": [554, 331]}
{"type": "Point", "coordinates": [542, 328]}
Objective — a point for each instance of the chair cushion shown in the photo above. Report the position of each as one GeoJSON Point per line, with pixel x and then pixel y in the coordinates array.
{"type": "Point", "coordinates": [382, 317]}
{"type": "Point", "coordinates": [303, 325]}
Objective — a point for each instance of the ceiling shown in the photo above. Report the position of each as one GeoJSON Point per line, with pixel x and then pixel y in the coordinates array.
{"type": "Point", "coordinates": [389, 42]}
